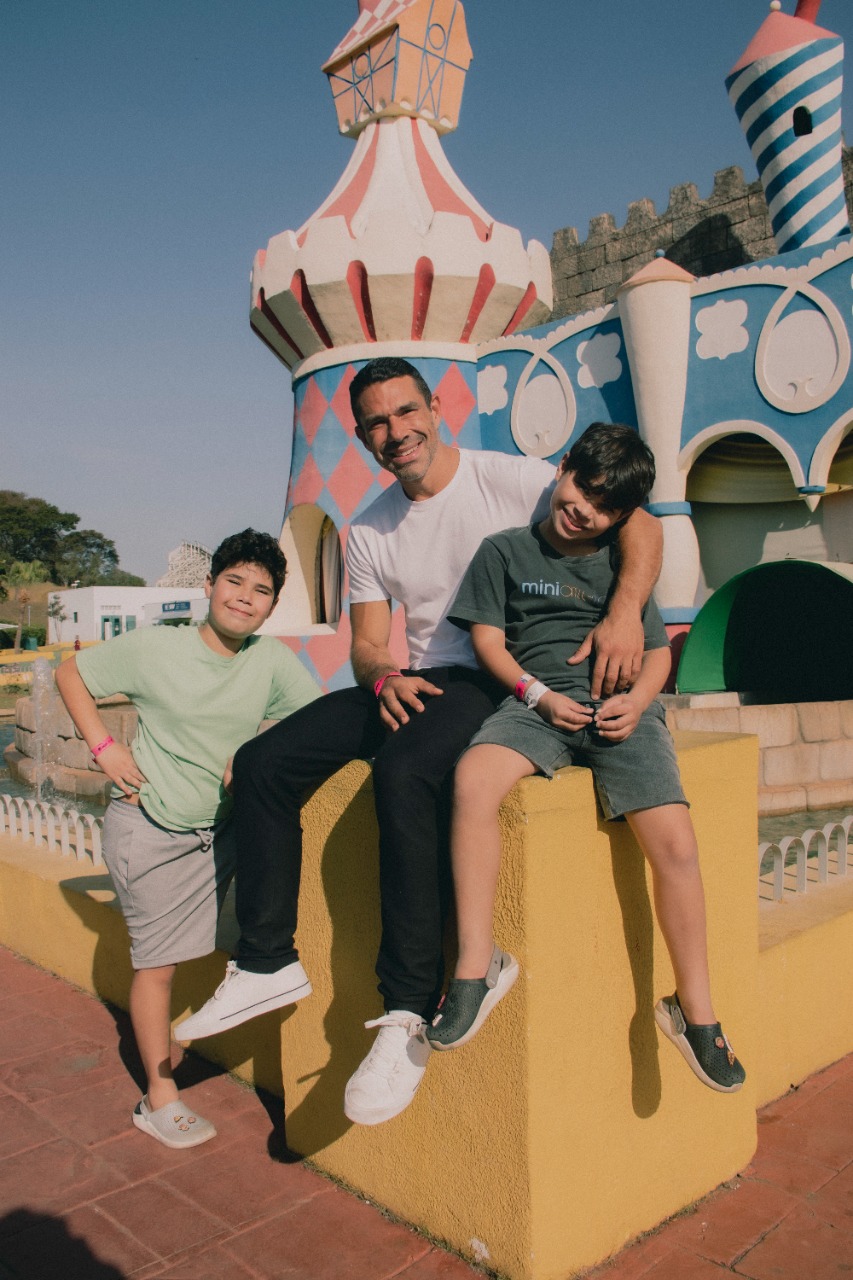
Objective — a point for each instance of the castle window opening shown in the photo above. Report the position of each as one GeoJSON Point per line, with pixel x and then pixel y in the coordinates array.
{"type": "Point", "coordinates": [802, 122]}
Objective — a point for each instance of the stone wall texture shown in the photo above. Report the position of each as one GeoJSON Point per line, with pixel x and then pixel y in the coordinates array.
{"type": "Point", "coordinates": [805, 748]}
{"type": "Point", "coordinates": [729, 229]}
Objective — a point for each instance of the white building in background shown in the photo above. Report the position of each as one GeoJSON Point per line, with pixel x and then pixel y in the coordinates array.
{"type": "Point", "coordinates": [99, 613]}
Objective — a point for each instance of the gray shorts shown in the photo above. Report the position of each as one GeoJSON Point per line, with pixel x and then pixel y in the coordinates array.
{"type": "Point", "coordinates": [639, 773]}
{"type": "Point", "coordinates": [170, 884]}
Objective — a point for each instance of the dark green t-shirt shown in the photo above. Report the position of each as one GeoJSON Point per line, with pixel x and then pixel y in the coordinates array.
{"type": "Point", "coordinates": [544, 602]}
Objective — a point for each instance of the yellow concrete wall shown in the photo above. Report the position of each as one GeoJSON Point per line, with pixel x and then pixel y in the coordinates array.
{"type": "Point", "coordinates": [806, 1012]}
{"type": "Point", "coordinates": [568, 1126]}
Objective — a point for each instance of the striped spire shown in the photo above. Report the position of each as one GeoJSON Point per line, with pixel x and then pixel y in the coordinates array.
{"type": "Point", "coordinates": [786, 90]}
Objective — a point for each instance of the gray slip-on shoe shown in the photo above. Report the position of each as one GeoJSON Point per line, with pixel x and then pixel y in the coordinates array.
{"type": "Point", "coordinates": [469, 1001]}
{"type": "Point", "coordinates": [704, 1048]}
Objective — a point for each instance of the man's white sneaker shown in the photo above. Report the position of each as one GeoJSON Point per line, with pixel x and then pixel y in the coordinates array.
{"type": "Point", "coordinates": [243, 995]}
{"type": "Point", "coordinates": [388, 1079]}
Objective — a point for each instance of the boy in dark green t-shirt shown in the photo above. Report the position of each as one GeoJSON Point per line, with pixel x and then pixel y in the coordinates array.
{"type": "Point", "coordinates": [529, 597]}
{"type": "Point", "coordinates": [199, 693]}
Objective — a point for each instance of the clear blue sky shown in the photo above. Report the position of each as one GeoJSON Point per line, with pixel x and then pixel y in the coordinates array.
{"type": "Point", "coordinates": [149, 147]}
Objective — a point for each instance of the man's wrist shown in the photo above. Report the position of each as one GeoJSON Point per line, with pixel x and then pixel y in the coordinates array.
{"type": "Point", "coordinates": [377, 684]}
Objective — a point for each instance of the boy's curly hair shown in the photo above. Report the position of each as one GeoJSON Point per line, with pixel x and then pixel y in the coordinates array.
{"type": "Point", "coordinates": [251, 547]}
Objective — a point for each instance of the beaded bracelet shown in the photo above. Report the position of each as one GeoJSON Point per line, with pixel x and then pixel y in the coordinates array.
{"type": "Point", "coordinates": [102, 746]}
{"type": "Point", "coordinates": [377, 688]}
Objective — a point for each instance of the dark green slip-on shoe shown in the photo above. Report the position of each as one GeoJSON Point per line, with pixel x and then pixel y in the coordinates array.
{"type": "Point", "coordinates": [705, 1048]}
{"type": "Point", "coordinates": [469, 1001]}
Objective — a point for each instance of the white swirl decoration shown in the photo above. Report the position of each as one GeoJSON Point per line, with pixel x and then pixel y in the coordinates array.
{"type": "Point", "coordinates": [802, 357]}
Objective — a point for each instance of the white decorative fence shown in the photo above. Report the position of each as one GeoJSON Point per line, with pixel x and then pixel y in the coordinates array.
{"type": "Point", "coordinates": [815, 857]}
{"type": "Point", "coordinates": [61, 830]}
{"type": "Point", "coordinates": [789, 865]}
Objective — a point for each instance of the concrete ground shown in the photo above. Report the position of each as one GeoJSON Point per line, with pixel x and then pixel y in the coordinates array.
{"type": "Point", "coordinates": [84, 1196]}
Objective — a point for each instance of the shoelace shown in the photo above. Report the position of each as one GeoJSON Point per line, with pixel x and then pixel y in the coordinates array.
{"type": "Point", "coordinates": [384, 1054]}
{"type": "Point", "coordinates": [231, 971]}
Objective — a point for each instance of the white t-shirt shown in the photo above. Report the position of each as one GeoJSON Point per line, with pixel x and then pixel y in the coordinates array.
{"type": "Point", "coordinates": [417, 552]}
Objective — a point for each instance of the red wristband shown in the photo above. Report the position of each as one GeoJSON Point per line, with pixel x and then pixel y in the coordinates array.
{"type": "Point", "coordinates": [102, 746]}
{"type": "Point", "coordinates": [377, 688]}
{"type": "Point", "coordinates": [520, 687]}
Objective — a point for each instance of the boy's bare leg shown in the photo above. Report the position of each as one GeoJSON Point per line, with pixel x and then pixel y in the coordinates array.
{"type": "Point", "coordinates": [484, 776]}
{"type": "Point", "coordinates": [150, 1008]}
{"type": "Point", "coordinates": [666, 836]}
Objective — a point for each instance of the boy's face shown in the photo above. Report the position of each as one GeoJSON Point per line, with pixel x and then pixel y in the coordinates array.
{"type": "Point", "coordinates": [576, 514]}
{"type": "Point", "coordinates": [241, 599]}
{"type": "Point", "coordinates": [399, 428]}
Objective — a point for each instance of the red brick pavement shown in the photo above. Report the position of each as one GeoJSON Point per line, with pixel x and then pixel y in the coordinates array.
{"type": "Point", "coordinates": [84, 1196]}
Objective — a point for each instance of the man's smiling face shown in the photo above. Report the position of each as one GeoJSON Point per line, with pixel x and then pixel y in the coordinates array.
{"type": "Point", "coordinates": [400, 429]}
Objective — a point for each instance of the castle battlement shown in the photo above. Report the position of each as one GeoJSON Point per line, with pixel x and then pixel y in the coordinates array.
{"type": "Point", "coordinates": [730, 228]}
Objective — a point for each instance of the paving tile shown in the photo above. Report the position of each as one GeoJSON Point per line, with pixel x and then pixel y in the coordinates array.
{"type": "Point", "coordinates": [438, 1265]}
{"type": "Point", "coordinates": [833, 1203]}
{"type": "Point", "coordinates": [841, 1090]}
{"type": "Point", "coordinates": [682, 1265]}
{"type": "Point", "coordinates": [80, 1064]}
{"type": "Point", "coordinates": [27, 977]}
{"type": "Point", "coordinates": [25, 1036]}
{"type": "Point", "coordinates": [256, 1186]}
{"type": "Point", "coordinates": [20, 1128]}
{"type": "Point", "coordinates": [94, 1114]}
{"type": "Point", "coordinates": [821, 1129]}
{"type": "Point", "coordinates": [348, 1240]}
{"type": "Point", "coordinates": [788, 1170]}
{"type": "Point", "coordinates": [732, 1220]}
{"type": "Point", "coordinates": [137, 1156]}
{"type": "Point", "coordinates": [802, 1247]}
{"type": "Point", "coordinates": [212, 1092]}
{"type": "Point", "coordinates": [212, 1264]}
{"type": "Point", "coordinates": [99, 1022]}
{"type": "Point", "coordinates": [637, 1259]}
{"type": "Point", "coordinates": [81, 1246]}
{"type": "Point", "coordinates": [53, 1178]}
{"type": "Point", "coordinates": [160, 1218]}
{"type": "Point", "coordinates": [809, 1089]}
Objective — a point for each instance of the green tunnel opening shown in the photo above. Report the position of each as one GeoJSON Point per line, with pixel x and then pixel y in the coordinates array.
{"type": "Point", "coordinates": [779, 632]}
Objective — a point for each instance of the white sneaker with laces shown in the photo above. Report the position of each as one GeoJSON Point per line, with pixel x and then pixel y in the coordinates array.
{"type": "Point", "coordinates": [389, 1076]}
{"type": "Point", "coordinates": [243, 995]}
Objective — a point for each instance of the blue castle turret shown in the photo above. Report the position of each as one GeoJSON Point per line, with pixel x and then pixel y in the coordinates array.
{"type": "Point", "coordinates": [786, 90]}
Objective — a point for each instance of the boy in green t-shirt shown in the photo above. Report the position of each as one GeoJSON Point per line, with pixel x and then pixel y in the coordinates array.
{"type": "Point", "coordinates": [529, 596]}
{"type": "Point", "coordinates": [200, 693]}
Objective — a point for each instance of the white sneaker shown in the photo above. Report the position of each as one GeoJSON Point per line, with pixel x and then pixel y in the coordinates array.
{"type": "Point", "coordinates": [388, 1079]}
{"type": "Point", "coordinates": [243, 995]}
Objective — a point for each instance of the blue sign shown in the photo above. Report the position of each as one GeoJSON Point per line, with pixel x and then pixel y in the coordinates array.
{"type": "Point", "coordinates": [176, 606]}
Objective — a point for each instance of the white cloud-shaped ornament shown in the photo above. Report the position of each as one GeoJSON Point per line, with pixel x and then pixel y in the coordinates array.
{"type": "Point", "coordinates": [722, 329]}
{"type": "Point", "coordinates": [599, 360]}
{"type": "Point", "coordinates": [491, 388]}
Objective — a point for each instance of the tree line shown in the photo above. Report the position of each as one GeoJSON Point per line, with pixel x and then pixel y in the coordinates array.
{"type": "Point", "coordinates": [40, 543]}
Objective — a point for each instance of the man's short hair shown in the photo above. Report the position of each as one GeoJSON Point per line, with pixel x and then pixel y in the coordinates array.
{"type": "Point", "coordinates": [251, 547]}
{"type": "Point", "coordinates": [612, 462]}
{"type": "Point", "coordinates": [383, 369]}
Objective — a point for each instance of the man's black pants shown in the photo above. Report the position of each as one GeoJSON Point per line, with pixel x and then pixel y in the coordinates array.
{"type": "Point", "coordinates": [411, 771]}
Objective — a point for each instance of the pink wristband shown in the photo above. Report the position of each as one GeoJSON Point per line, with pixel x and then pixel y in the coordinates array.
{"type": "Point", "coordinates": [102, 746]}
{"type": "Point", "coordinates": [377, 688]}
{"type": "Point", "coordinates": [520, 687]}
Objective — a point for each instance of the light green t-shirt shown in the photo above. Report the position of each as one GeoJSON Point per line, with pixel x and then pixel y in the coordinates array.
{"type": "Point", "coordinates": [195, 709]}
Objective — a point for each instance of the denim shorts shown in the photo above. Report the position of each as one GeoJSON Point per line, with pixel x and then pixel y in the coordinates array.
{"type": "Point", "coordinates": [170, 884]}
{"type": "Point", "coordinates": [640, 772]}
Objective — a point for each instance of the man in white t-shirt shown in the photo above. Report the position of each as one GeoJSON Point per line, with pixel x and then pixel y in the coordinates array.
{"type": "Point", "coordinates": [411, 545]}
